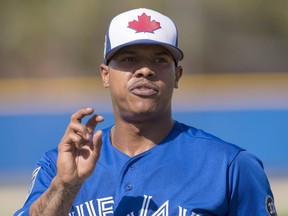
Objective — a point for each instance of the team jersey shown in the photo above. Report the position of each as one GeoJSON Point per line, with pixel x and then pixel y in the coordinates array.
{"type": "Point", "coordinates": [190, 173]}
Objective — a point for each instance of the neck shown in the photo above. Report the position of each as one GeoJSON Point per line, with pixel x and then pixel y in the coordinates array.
{"type": "Point", "coordinates": [135, 138]}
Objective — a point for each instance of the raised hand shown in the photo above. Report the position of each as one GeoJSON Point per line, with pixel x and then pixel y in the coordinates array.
{"type": "Point", "coordinates": [79, 149]}
{"type": "Point", "coordinates": [78, 153]}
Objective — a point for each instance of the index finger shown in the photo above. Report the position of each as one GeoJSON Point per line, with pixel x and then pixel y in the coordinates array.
{"type": "Point", "coordinates": [93, 121]}
{"type": "Point", "coordinates": [80, 114]}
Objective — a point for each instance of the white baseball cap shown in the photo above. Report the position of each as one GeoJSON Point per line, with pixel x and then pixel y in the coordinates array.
{"type": "Point", "coordinates": [141, 26]}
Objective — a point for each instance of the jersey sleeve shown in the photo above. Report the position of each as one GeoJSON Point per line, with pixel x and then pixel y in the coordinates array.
{"type": "Point", "coordinates": [40, 181]}
{"type": "Point", "coordinates": [250, 192]}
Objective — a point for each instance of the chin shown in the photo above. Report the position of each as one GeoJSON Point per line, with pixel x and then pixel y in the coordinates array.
{"type": "Point", "coordinates": [140, 115]}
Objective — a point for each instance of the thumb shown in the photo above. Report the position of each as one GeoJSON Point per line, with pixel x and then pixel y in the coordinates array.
{"type": "Point", "coordinates": [97, 143]}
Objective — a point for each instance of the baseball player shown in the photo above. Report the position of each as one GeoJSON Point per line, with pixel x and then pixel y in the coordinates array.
{"type": "Point", "coordinates": [147, 163]}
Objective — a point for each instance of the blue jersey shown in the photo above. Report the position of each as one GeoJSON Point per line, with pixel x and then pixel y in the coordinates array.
{"type": "Point", "coordinates": [189, 173]}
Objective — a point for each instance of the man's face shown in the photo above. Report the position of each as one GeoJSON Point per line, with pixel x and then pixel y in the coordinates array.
{"type": "Point", "coordinates": [141, 79]}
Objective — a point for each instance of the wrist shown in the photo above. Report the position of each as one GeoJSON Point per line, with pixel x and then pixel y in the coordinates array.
{"type": "Point", "coordinates": [69, 189]}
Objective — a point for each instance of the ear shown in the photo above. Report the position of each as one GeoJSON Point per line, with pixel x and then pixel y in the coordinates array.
{"type": "Point", "coordinates": [178, 75]}
{"type": "Point", "coordinates": [104, 70]}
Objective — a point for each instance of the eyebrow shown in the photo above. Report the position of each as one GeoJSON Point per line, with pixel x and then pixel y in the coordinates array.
{"type": "Point", "coordinates": [125, 51]}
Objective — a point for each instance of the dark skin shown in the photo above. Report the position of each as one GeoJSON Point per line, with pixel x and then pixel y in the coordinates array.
{"type": "Point", "coordinates": [142, 113]}
{"type": "Point", "coordinates": [78, 152]}
{"type": "Point", "coordinates": [141, 79]}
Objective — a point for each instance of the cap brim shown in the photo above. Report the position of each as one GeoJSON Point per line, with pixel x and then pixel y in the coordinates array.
{"type": "Point", "coordinates": [176, 52]}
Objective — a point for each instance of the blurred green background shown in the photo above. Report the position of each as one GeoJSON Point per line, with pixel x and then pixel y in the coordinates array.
{"type": "Point", "coordinates": [65, 38]}
{"type": "Point", "coordinates": [235, 82]}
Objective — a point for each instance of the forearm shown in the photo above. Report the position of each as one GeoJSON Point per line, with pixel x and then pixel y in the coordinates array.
{"type": "Point", "coordinates": [57, 200]}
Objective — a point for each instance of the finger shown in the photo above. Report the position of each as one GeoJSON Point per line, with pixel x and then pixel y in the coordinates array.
{"type": "Point", "coordinates": [80, 114]}
{"type": "Point", "coordinates": [97, 142]}
{"type": "Point", "coordinates": [93, 121]}
{"type": "Point", "coordinates": [76, 139]}
{"type": "Point", "coordinates": [78, 128]}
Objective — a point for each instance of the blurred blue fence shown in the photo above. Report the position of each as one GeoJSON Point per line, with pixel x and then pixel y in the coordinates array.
{"type": "Point", "coordinates": [24, 138]}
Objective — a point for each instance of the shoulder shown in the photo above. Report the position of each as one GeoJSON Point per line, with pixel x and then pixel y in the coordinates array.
{"type": "Point", "coordinates": [195, 132]}
{"type": "Point", "coordinates": [50, 155]}
{"type": "Point", "coordinates": [215, 149]}
{"type": "Point", "coordinates": [203, 147]}
{"type": "Point", "coordinates": [48, 161]}
{"type": "Point", "coordinates": [204, 139]}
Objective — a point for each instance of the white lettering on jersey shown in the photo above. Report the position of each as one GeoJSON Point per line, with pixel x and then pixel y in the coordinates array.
{"type": "Point", "coordinates": [163, 210]}
{"type": "Point", "coordinates": [80, 210]}
{"type": "Point", "coordinates": [182, 211]}
{"type": "Point", "coordinates": [145, 205]}
{"type": "Point", "coordinates": [90, 208]}
{"type": "Point", "coordinates": [105, 206]}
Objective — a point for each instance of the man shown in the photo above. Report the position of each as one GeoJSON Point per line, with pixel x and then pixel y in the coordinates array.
{"type": "Point", "coordinates": [147, 163]}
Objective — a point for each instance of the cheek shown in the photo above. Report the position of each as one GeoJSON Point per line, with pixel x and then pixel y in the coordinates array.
{"type": "Point", "coordinates": [169, 81]}
{"type": "Point", "coordinates": [118, 84]}
{"type": "Point", "coordinates": [116, 78]}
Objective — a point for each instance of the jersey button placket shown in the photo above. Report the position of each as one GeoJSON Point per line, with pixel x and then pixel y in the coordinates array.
{"type": "Point", "coordinates": [129, 186]}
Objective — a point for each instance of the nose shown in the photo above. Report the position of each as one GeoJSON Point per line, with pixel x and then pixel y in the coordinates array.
{"type": "Point", "coordinates": [144, 71]}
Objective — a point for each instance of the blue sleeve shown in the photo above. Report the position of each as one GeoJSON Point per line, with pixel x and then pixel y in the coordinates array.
{"type": "Point", "coordinates": [41, 179]}
{"type": "Point", "coordinates": [250, 192]}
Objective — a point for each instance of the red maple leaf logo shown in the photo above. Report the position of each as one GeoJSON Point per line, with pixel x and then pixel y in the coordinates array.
{"type": "Point", "coordinates": [144, 24]}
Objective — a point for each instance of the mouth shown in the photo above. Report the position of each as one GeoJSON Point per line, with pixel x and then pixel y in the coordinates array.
{"type": "Point", "coordinates": [144, 89]}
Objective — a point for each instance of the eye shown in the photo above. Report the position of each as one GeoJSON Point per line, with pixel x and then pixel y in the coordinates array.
{"type": "Point", "coordinates": [161, 60]}
{"type": "Point", "coordinates": [129, 59]}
